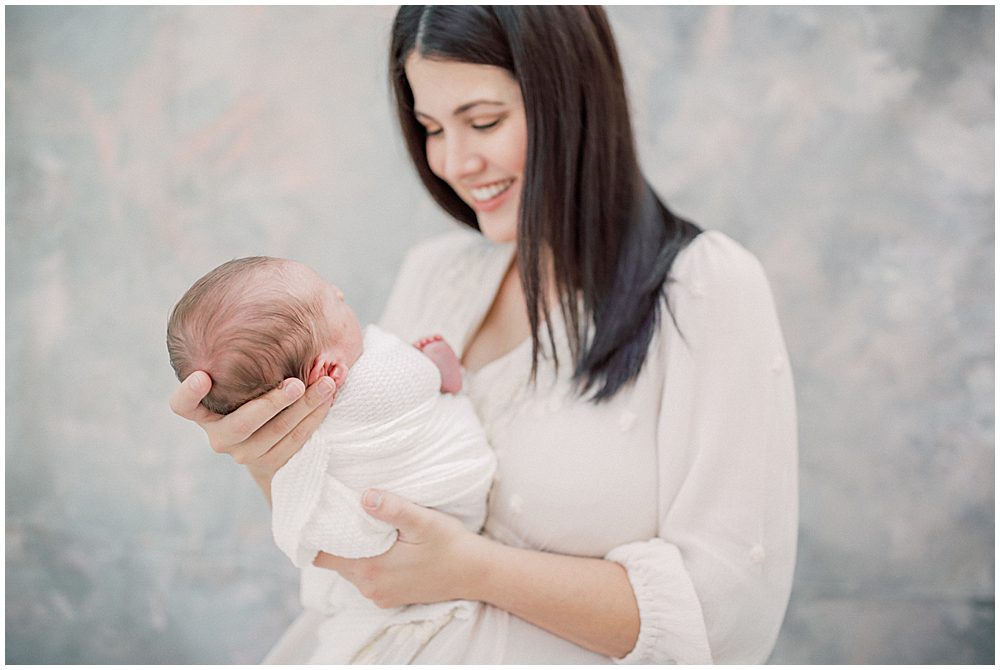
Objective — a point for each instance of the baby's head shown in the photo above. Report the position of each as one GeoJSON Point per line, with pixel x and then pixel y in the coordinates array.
{"type": "Point", "coordinates": [252, 322]}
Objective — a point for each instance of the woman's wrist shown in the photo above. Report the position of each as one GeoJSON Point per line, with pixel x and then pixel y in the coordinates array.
{"type": "Point", "coordinates": [588, 601]}
{"type": "Point", "coordinates": [476, 561]}
{"type": "Point", "coordinates": [263, 479]}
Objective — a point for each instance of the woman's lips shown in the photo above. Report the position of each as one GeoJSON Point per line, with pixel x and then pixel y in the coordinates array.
{"type": "Point", "coordinates": [489, 197]}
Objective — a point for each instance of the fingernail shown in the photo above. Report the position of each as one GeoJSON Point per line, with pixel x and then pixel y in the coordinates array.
{"type": "Point", "coordinates": [196, 382]}
{"type": "Point", "coordinates": [293, 388]}
{"type": "Point", "coordinates": [372, 499]}
{"type": "Point", "coordinates": [327, 386]}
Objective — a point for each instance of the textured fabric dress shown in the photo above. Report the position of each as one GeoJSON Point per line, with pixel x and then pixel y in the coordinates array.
{"type": "Point", "coordinates": [687, 477]}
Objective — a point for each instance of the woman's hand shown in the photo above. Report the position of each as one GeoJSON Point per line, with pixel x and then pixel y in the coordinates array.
{"type": "Point", "coordinates": [588, 601]}
{"type": "Point", "coordinates": [434, 559]}
{"type": "Point", "coordinates": [264, 433]}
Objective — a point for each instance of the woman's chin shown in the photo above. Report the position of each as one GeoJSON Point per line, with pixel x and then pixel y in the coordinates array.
{"type": "Point", "coordinates": [497, 230]}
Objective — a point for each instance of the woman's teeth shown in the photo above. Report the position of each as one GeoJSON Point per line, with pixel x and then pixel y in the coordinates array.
{"type": "Point", "coordinates": [491, 191]}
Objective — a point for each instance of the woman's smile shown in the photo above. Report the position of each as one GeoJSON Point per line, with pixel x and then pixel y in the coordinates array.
{"type": "Point", "coordinates": [476, 136]}
{"type": "Point", "coordinates": [489, 197]}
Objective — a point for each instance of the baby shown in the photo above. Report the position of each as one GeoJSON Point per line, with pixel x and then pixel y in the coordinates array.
{"type": "Point", "coordinates": [397, 424]}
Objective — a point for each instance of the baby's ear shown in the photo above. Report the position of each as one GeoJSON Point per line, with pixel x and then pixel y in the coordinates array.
{"type": "Point", "coordinates": [338, 371]}
{"type": "Point", "coordinates": [320, 368]}
{"type": "Point", "coordinates": [324, 365]}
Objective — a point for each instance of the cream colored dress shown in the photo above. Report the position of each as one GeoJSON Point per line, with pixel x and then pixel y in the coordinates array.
{"type": "Point", "coordinates": [687, 477]}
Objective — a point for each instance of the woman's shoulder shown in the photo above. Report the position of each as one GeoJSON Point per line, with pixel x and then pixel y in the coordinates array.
{"type": "Point", "coordinates": [714, 262]}
{"type": "Point", "coordinates": [717, 283]}
{"type": "Point", "coordinates": [452, 246]}
{"type": "Point", "coordinates": [441, 273]}
{"type": "Point", "coordinates": [454, 261]}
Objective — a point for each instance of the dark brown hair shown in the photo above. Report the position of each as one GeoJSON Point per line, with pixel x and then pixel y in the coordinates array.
{"type": "Point", "coordinates": [584, 199]}
{"type": "Point", "coordinates": [249, 325]}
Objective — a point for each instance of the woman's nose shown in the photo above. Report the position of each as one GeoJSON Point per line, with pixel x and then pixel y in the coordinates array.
{"type": "Point", "coordinates": [462, 161]}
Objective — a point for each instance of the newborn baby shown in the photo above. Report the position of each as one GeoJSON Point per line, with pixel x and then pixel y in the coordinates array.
{"type": "Point", "coordinates": [253, 322]}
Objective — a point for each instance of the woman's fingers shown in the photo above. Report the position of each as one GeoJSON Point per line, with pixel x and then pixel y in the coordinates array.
{"type": "Point", "coordinates": [234, 428]}
{"type": "Point", "coordinates": [265, 432]}
{"type": "Point", "coordinates": [409, 518]}
{"type": "Point", "coordinates": [275, 457]}
{"type": "Point", "coordinates": [331, 562]}
{"type": "Point", "coordinates": [185, 401]}
{"type": "Point", "coordinates": [274, 420]}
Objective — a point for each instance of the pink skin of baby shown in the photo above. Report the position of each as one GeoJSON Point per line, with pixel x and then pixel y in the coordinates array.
{"type": "Point", "coordinates": [434, 347]}
{"type": "Point", "coordinates": [444, 357]}
{"type": "Point", "coordinates": [346, 347]}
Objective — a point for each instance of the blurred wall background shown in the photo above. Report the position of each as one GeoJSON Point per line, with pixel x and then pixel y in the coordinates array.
{"type": "Point", "coordinates": [850, 148]}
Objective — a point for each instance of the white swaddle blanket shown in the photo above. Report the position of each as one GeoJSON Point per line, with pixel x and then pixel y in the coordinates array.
{"type": "Point", "coordinates": [389, 428]}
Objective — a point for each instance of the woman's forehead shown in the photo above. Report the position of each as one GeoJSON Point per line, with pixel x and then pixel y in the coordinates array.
{"type": "Point", "coordinates": [446, 86]}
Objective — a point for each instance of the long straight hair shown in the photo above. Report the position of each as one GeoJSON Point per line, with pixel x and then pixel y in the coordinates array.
{"type": "Point", "coordinates": [585, 204]}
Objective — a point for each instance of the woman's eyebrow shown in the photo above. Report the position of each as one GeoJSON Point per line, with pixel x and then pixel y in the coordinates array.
{"type": "Point", "coordinates": [469, 105]}
{"type": "Point", "coordinates": [462, 108]}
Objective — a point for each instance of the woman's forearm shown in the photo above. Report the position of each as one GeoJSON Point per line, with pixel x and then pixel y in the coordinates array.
{"type": "Point", "coordinates": [588, 601]}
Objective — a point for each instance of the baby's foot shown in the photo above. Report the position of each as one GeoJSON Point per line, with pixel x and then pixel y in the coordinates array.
{"type": "Point", "coordinates": [436, 349]}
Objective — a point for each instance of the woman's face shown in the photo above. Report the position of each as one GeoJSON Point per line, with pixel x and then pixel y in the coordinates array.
{"type": "Point", "coordinates": [477, 136]}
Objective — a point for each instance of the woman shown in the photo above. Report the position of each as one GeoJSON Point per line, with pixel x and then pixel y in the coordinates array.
{"type": "Point", "coordinates": [629, 369]}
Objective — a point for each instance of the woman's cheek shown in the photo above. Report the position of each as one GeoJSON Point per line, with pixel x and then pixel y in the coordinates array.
{"type": "Point", "coordinates": [434, 158]}
{"type": "Point", "coordinates": [512, 145]}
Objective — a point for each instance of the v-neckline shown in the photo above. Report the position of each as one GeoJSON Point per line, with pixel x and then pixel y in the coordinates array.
{"type": "Point", "coordinates": [499, 360]}
{"type": "Point", "coordinates": [486, 299]}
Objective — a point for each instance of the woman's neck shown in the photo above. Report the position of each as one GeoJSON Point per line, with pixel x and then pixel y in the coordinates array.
{"type": "Point", "coordinates": [505, 326]}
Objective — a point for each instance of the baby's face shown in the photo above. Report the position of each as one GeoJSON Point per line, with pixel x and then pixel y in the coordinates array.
{"type": "Point", "coordinates": [347, 338]}
{"type": "Point", "coordinates": [344, 339]}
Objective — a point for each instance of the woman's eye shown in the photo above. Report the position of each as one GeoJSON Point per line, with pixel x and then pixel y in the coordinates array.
{"type": "Point", "coordinates": [485, 126]}
{"type": "Point", "coordinates": [432, 133]}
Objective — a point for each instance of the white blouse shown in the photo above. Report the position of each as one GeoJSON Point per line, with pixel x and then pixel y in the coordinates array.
{"type": "Point", "coordinates": [687, 476]}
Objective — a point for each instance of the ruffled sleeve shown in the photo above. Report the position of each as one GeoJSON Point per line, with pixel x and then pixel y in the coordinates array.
{"type": "Point", "coordinates": [714, 585]}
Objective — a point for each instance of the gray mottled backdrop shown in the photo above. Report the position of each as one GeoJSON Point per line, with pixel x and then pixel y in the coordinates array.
{"type": "Point", "coordinates": [850, 148]}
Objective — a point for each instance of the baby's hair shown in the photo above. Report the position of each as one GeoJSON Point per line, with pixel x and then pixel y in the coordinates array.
{"type": "Point", "coordinates": [249, 323]}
